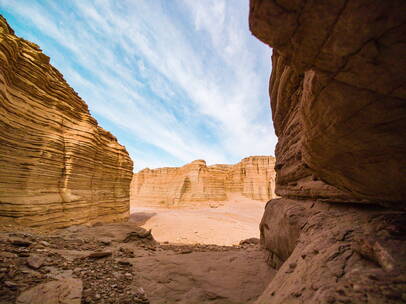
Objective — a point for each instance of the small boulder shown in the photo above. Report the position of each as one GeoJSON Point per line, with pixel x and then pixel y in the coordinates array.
{"type": "Point", "coordinates": [124, 262]}
{"type": "Point", "coordinates": [139, 233]}
{"type": "Point", "coordinates": [11, 284]}
{"type": "Point", "coordinates": [105, 242]}
{"type": "Point", "coordinates": [66, 291]}
{"type": "Point", "coordinates": [250, 241]}
{"type": "Point", "coordinates": [35, 261]}
{"type": "Point", "coordinates": [45, 243]}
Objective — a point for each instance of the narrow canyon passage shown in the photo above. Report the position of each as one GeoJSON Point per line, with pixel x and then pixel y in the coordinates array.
{"type": "Point", "coordinates": [329, 209]}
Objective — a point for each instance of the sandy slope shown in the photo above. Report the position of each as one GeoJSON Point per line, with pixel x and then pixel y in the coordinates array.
{"type": "Point", "coordinates": [232, 221]}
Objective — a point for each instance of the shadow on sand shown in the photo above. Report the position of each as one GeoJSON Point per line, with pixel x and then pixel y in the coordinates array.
{"type": "Point", "coordinates": [140, 218]}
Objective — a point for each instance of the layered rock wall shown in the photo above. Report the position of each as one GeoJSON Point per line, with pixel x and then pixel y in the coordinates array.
{"type": "Point", "coordinates": [338, 103]}
{"type": "Point", "coordinates": [57, 166]}
{"type": "Point", "coordinates": [171, 186]}
{"type": "Point", "coordinates": [253, 177]}
{"type": "Point", "coordinates": [338, 97]}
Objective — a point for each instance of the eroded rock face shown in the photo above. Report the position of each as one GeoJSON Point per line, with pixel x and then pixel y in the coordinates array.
{"type": "Point", "coordinates": [254, 177]}
{"type": "Point", "coordinates": [57, 166]}
{"type": "Point", "coordinates": [338, 97]}
{"type": "Point", "coordinates": [334, 253]}
{"type": "Point", "coordinates": [338, 103]}
{"type": "Point", "coordinates": [196, 182]}
{"type": "Point", "coordinates": [171, 186]}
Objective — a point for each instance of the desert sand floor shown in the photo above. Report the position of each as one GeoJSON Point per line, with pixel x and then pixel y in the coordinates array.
{"type": "Point", "coordinates": [227, 224]}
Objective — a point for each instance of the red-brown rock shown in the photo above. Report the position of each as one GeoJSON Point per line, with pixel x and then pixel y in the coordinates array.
{"type": "Point", "coordinates": [334, 253]}
{"type": "Point", "coordinates": [338, 103]}
{"type": "Point", "coordinates": [64, 291]}
{"type": "Point", "coordinates": [338, 97]}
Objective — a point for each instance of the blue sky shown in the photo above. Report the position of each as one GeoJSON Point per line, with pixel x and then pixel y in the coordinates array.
{"type": "Point", "coordinates": [173, 80]}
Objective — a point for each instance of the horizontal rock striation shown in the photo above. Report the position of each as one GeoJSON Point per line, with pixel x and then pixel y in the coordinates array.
{"type": "Point", "coordinates": [338, 104]}
{"type": "Point", "coordinates": [253, 177]}
{"type": "Point", "coordinates": [171, 186]}
{"type": "Point", "coordinates": [57, 166]}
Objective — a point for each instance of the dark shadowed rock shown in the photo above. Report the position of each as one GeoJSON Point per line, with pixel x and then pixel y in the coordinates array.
{"type": "Point", "coordinates": [20, 242]}
{"type": "Point", "coordinates": [100, 254]}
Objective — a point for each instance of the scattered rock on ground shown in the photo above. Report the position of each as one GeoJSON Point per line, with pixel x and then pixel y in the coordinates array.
{"type": "Point", "coordinates": [135, 272]}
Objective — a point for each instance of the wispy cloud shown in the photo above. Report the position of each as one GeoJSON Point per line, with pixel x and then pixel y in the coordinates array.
{"type": "Point", "coordinates": [173, 80]}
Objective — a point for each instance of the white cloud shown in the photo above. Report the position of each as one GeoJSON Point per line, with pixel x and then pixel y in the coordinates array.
{"type": "Point", "coordinates": [185, 77]}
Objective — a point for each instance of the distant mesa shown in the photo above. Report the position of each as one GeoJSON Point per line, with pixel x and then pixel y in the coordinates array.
{"type": "Point", "coordinates": [253, 177]}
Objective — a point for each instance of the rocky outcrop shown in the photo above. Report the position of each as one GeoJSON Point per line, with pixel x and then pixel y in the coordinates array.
{"type": "Point", "coordinates": [196, 182]}
{"type": "Point", "coordinates": [171, 186]}
{"type": "Point", "coordinates": [338, 103]}
{"type": "Point", "coordinates": [338, 97]}
{"type": "Point", "coordinates": [334, 253]}
{"type": "Point", "coordinates": [57, 166]}
{"type": "Point", "coordinates": [253, 177]}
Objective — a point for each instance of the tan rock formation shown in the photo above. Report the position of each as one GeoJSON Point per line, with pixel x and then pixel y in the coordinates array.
{"type": "Point", "coordinates": [57, 166]}
{"type": "Point", "coordinates": [338, 97]}
{"type": "Point", "coordinates": [196, 182]}
{"type": "Point", "coordinates": [254, 177]}
{"type": "Point", "coordinates": [338, 102]}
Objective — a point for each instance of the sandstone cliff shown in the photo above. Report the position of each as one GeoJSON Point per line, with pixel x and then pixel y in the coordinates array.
{"type": "Point", "coordinates": [338, 97]}
{"type": "Point", "coordinates": [254, 177]}
{"type": "Point", "coordinates": [196, 182]}
{"type": "Point", "coordinates": [57, 166]}
{"type": "Point", "coordinates": [338, 103]}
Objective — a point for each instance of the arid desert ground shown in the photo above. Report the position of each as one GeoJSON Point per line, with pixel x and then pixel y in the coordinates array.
{"type": "Point", "coordinates": [222, 223]}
